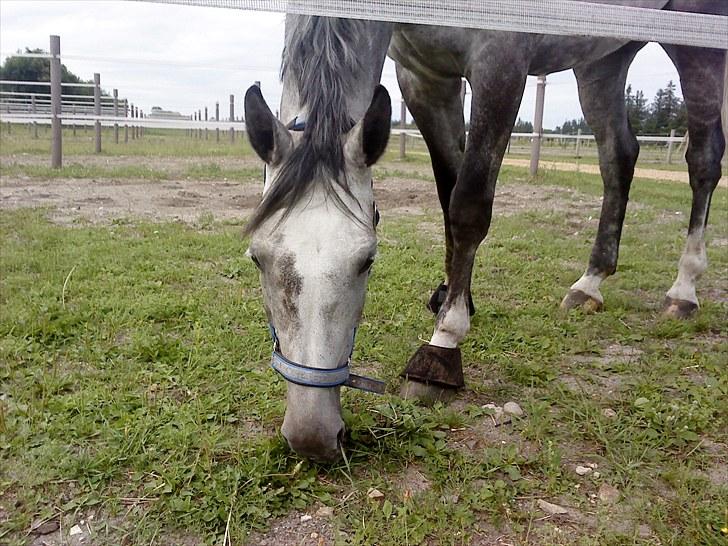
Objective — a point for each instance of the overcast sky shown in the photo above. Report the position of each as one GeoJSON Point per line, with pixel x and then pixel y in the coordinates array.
{"type": "Point", "coordinates": [185, 58]}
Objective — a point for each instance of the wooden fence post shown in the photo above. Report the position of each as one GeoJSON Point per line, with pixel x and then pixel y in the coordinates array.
{"type": "Point", "coordinates": [73, 113]}
{"type": "Point", "coordinates": [206, 134]}
{"type": "Point", "coordinates": [56, 129]}
{"type": "Point", "coordinates": [578, 143]}
{"type": "Point", "coordinates": [232, 119]}
{"type": "Point", "coordinates": [97, 113]}
{"type": "Point", "coordinates": [463, 90]}
{"type": "Point", "coordinates": [116, 115]}
{"type": "Point", "coordinates": [35, 123]}
{"type": "Point", "coordinates": [537, 124]}
{"type": "Point", "coordinates": [403, 126]}
{"type": "Point", "coordinates": [669, 146]}
{"type": "Point", "coordinates": [126, 118]}
{"type": "Point", "coordinates": [217, 118]}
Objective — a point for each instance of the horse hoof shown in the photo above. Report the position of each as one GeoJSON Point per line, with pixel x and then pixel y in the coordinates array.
{"type": "Point", "coordinates": [433, 374]}
{"type": "Point", "coordinates": [577, 298]}
{"type": "Point", "coordinates": [425, 394]}
{"type": "Point", "coordinates": [678, 309]}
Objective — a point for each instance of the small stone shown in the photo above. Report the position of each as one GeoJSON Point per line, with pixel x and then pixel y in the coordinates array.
{"type": "Point", "coordinates": [305, 518]}
{"type": "Point", "coordinates": [583, 470]}
{"type": "Point", "coordinates": [609, 413]}
{"type": "Point", "coordinates": [46, 528]}
{"type": "Point", "coordinates": [608, 493]}
{"type": "Point", "coordinates": [75, 530]}
{"type": "Point", "coordinates": [496, 412]}
{"type": "Point", "coordinates": [511, 408]}
{"type": "Point", "coordinates": [644, 531]}
{"type": "Point", "coordinates": [325, 512]}
{"type": "Point", "coordinates": [597, 474]}
{"type": "Point", "coordinates": [592, 465]}
{"type": "Point", "coordinates": [314, 535]}
{"type": "Point", "coordinates": [550, 508]}
{"type": "Point", "coordinates": [375, 494]}
{"type": "Point", "coordinates": [450, 499]}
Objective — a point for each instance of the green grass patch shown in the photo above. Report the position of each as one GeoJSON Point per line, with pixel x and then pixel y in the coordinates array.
{"type": "Point", "coordinates": [133, 365]}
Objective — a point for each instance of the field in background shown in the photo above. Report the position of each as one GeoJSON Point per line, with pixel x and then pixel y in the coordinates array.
{"type": "Point", "coordinates": [136, 402]}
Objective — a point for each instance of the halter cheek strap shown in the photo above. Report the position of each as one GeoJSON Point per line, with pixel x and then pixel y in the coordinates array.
{"type": "Point", "coordinates": [308, 376]}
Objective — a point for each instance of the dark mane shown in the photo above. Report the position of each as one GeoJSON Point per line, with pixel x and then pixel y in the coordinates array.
{"type": "Point", "coordinates": [320, 54]}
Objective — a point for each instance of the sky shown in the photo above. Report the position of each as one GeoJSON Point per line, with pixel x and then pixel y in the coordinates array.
{"type": "Point", "coordinates": [184, 58]}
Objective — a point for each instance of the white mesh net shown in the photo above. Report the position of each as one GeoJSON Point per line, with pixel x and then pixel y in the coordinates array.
{"type": "Point", "coordinates": [560, 17]}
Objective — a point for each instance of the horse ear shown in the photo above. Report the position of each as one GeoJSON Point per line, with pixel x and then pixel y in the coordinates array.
{"type": "Point", "coordinates": [368, 139]}
{"type": "Point", "coordinates": [268, 136]}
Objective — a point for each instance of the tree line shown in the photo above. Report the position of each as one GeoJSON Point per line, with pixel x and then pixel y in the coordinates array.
{"type": "Point", "coordinates": [38, 69]}
{"type": "Point", "coordinates": [667, 111]}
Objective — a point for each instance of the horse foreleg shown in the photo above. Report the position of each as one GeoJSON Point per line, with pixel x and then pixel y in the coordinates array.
{"type": "Point", "coordinates": [435, 371]}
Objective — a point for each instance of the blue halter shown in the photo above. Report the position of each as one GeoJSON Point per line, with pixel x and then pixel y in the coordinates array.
{"type": "Point", "coordinates": [307, 376]}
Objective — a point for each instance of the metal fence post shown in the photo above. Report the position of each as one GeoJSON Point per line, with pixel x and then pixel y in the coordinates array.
{"type": "Point", "coordinates": [232, 119]}
{"type": "Point", "coordinates": [403, 126]}
{"type": "Point", "coordinates": [206, 135]}
{"type": "Point", "coordinates": [126, 118]}
{"type": "Point", "coordinates": [116, 115]}
{"type": "Point", "coordinates": [669, 146]}
{"type": "Point", "coordinates": [97, 113]}
{"type": "Point", "coordinates": [56, 129]}
{"type": "Point", "coordinates": [537, 124]}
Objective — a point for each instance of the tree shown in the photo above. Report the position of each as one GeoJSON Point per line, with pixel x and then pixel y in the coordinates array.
{"type": "Point", "coordinates": [637, 109]}
{"type": "Point", "coordinates": [523, 126]}
{"type": "Point", "coordinates": [667, 112]}
{"type": "Point", "coordinates": [571, 127]}
{"type": "Point", "coordinates": [38, 69]}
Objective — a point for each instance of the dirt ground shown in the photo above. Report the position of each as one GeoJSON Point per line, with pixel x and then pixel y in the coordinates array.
{"type": "Point", "coordinates": [75, 201]}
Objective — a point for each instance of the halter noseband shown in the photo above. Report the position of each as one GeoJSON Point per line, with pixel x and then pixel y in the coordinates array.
{"type": "Point", "coordinates": [320, 378]}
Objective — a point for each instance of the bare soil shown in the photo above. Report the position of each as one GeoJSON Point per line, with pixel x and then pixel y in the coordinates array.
{"type": "Point", "coordinates": [106, 200]}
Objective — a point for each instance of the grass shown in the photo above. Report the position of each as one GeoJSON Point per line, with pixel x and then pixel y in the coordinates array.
{"type": "Point", "coordinates": [134, 382]}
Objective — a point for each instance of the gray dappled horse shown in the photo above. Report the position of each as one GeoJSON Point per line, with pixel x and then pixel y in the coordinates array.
{"type": "Point", "coordinates": [313, 235]}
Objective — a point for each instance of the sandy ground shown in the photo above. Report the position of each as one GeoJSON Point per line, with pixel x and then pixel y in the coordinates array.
{"type": "Point", "coordinates": [103, 200]}
{"type": "Point", "coordinates": [654, 174]}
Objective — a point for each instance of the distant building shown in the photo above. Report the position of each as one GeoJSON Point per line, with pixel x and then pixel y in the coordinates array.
{"type": "Point", "coordinates": [159, 113]}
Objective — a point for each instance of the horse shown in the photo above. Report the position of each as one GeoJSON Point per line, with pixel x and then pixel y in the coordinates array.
{"type": "Point", "coordinates": [313, 236]}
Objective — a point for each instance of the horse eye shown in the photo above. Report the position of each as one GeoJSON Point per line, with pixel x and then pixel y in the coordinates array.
{"type": "Point", "coordinates": [367, 265]}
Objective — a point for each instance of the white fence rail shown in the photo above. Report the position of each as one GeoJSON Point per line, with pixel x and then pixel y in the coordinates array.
{"type": "Point", "coordinates": [558, 17]}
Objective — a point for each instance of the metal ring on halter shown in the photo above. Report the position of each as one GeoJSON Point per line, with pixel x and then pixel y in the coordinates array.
{"type": "Point", "coordinates": [321, 378]}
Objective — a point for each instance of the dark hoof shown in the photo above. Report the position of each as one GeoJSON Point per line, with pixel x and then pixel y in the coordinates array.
{"type": "Point", "coordinates": [426, 395]}
{"type": "Point", "coordinates": [438, 298]}
{"type": "Point", "coordinates": [431, 373]}
{"type": "Point", "coordinates": [577, 298]}
{"type": "Point", "coordinates": [679, 309]}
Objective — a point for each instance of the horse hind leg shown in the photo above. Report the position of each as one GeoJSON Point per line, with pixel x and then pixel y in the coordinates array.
{"type": "Point", "coordinates": [435, 104]}
{"type": "Point", "coordinates": [702, 73]}
{"type": "Point", "coordinates": [601, 91]}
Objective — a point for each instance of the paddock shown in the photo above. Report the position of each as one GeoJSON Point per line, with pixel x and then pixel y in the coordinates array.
{"type": "Point", "coordinates": [138, 406]}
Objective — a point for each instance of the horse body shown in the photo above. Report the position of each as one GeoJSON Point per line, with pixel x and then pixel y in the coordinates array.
{"type": "Point", "coordinates": [313, 270]}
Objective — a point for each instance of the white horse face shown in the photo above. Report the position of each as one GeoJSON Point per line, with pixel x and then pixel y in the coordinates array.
{"type": "Point", "coordinates": [314, 260]}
